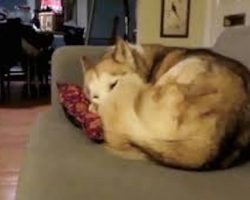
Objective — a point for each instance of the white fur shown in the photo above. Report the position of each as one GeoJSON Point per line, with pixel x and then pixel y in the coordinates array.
{"type": "Point", "coordinates": [100, 86]}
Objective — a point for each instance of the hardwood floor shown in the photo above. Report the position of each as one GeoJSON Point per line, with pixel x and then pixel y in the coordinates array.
{"type": "Point", "coordinates": [16, 118]}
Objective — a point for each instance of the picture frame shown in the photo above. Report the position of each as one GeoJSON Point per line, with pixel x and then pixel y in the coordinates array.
{"type": "Point", "coordinates": [175, 15]}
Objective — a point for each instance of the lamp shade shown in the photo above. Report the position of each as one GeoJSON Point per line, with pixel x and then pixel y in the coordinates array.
{"type": "Point", "coordinates": [55, 5]}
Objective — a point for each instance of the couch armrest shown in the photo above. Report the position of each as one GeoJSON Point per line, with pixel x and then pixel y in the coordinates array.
{"type": "Point", "coordinates": [235, 43]}
{"type": "Point", "coordinates": [66, 67]}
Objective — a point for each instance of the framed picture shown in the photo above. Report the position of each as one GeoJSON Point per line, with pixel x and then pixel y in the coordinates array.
{"type": "Point", "coordinates": [175, 18]}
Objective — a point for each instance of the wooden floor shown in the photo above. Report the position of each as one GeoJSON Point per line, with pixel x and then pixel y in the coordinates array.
{"type": "Point", "coordinates": [16, 117]}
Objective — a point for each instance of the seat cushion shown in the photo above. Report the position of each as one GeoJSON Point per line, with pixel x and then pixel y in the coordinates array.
{"type": "Point", "coordinates": [62, 164]}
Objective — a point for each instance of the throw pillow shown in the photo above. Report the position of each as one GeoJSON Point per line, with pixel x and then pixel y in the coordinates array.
{"type": "Point", "coordinates": [75, 105]}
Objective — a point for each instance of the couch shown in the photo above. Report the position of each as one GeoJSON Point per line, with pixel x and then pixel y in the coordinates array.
{"type": "Point", "coordinates": [62, 164]}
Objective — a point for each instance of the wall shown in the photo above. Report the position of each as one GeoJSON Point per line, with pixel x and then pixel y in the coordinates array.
{"type": "Point", "coordinates": [220, 8]}
{"type": "Point", "coordinates": [34, 4]}
{"type": "Point", "coordinates": [9, 4]}
{"type": "Point", "coordinates": [149, 15]}
{"type": "Point", "coordinates": [82, 13]}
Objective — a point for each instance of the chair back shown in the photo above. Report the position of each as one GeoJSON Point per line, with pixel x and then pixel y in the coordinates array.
{"type": "Point", "coordinates": [10, 42]}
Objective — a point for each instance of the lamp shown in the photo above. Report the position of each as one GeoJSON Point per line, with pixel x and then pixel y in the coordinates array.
{"type": "Point", "coordinates": [55, 5]}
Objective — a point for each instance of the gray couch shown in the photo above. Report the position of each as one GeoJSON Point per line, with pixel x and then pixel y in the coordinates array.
{"type": "Point", "coordinates": [62, 164]}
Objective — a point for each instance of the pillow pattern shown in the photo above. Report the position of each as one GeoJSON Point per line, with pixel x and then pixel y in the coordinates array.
{"type": "Point", "coordinates": [75, 104]}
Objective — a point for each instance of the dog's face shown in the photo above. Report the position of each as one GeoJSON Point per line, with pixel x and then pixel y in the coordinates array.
{"type": "Point", "coordinates": [102, 79]}
{"type": "Point", "coordinates": [99, 84]}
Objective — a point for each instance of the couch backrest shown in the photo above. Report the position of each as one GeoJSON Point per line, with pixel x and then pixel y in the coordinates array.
{"type": "Point", "coordinates": [235, 43]}
{"type": "Point", "coordinates": [66, 67]}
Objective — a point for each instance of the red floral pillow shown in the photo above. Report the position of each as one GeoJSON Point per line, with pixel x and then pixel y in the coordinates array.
{"type": "Point", "coordinates": [75, 104]}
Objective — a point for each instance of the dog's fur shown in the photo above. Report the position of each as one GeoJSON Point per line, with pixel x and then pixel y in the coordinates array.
{"type": "Point", "coordinates": [181, 107]}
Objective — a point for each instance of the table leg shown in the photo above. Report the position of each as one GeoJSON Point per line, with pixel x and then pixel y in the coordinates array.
{"type": "Point", "coordinates": [28, 78]}
{"type": "Point", "coordinates": [2, 88]}
{"type": "Point", "coordinates": [36, 79]}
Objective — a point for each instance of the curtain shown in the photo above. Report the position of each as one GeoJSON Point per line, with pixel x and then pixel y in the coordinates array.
{"type": "Point", "coordinates": [70, 10]}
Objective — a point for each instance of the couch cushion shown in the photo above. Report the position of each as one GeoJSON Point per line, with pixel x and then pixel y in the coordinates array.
{"type": "Point", "coordinates": [62, 165]}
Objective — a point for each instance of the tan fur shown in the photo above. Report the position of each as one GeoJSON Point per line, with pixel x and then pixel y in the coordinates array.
{"type": "Point", "coordinates": [182, 118]}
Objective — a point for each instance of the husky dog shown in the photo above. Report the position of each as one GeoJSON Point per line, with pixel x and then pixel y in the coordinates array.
{"type": "Point", "coordinates": [185, 108]}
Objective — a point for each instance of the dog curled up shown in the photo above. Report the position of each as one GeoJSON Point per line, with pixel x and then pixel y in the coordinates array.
{"type": "Point", "coordinates": [185, 108]}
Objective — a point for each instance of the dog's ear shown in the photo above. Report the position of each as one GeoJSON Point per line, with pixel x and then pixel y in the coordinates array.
{"type": "Point", "coordinates": [122, 52]}
{"type": "Point", "coordinates": [86, 63]}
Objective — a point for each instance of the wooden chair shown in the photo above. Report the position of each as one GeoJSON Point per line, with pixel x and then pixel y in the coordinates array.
{"type": "Point", "coordinates": [10, 51]}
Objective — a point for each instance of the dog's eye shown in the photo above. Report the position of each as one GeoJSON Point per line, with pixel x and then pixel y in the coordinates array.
{"type": "Point", "coordinates": [95, 96]}
{"type": "Point", "coordinates": [112, 85]}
